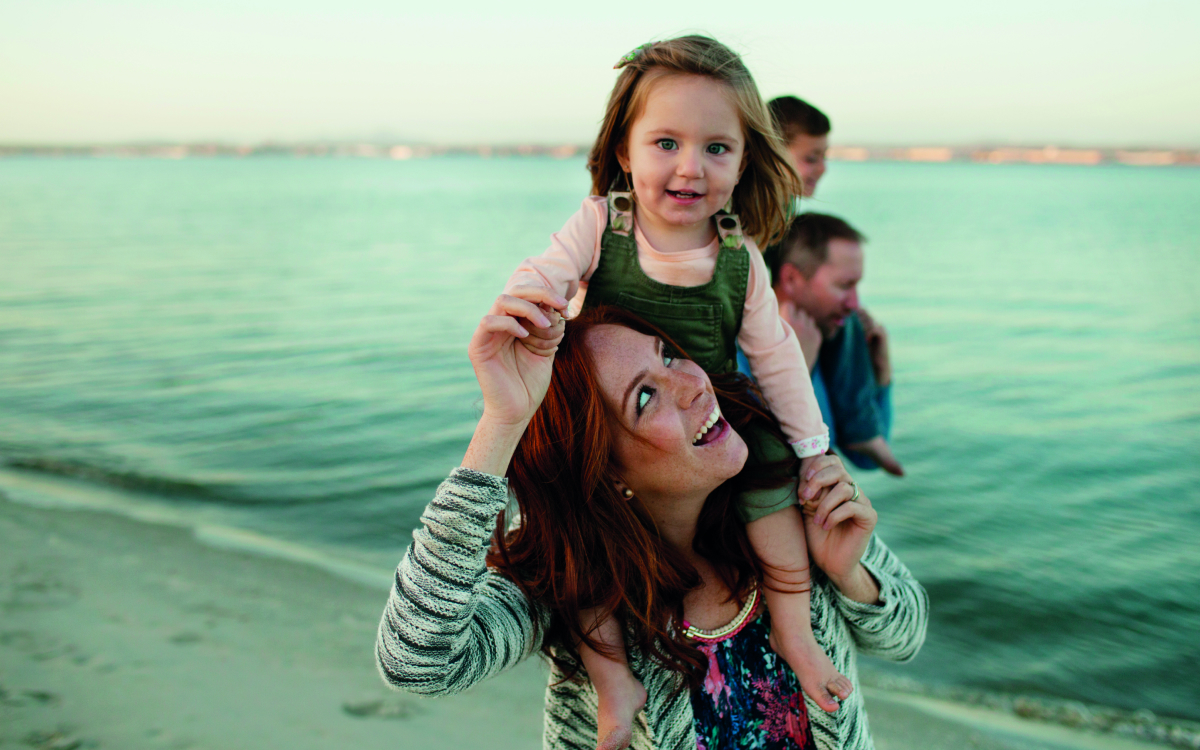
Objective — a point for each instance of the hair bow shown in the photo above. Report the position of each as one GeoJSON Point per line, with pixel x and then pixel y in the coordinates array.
{"type": "Point", "coordinates": [634, 54]}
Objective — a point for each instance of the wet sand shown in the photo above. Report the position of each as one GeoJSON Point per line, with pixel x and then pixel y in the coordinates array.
{"type": "Point", "coordinates": [120, 634]}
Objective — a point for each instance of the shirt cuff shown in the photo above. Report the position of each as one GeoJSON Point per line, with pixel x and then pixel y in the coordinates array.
{"type": "Point", "coordinates": [480, 479]}
{"type": "Point", "coordinates": [887, 597]}
{"type": "Point", "coordinates": [813, 446]}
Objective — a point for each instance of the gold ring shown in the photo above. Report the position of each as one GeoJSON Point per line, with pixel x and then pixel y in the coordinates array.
{"type": "Point", "coordinates": [857, 491]}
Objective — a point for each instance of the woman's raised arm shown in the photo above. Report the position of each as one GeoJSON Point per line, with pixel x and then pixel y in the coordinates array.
{"type": "Point", "coordinates": [512, 376]}
{"type": "Point", "coordinates": [449, 621]}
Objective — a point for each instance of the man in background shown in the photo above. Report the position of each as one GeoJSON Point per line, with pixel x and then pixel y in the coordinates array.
{"type": "Point", "coordinates": [820, 263]}
{"type": "Point", "coordinates": [846, 349]}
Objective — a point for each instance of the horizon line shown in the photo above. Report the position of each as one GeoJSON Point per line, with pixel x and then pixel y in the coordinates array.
{"type": "Point", "coordinates": [982, 152]}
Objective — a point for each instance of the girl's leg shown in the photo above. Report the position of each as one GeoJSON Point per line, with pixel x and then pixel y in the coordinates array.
{"type": "Point", "coordinates": [621, 695]}
{"type": "Point", "coordinates": [778, 539]}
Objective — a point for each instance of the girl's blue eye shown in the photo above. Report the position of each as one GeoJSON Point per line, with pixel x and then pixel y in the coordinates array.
{"type": "Point", "coordinates": [666, 144]}
{"type": "Point", "coordinates": [668, 359]}
{"type": "Point", "coordinates": [717, 148]}
{"type": "Point", "coordinates": [643, 398]}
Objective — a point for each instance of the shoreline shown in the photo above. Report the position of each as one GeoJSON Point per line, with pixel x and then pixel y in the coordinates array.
{"type": "Point", "coordinates": [141, 633]}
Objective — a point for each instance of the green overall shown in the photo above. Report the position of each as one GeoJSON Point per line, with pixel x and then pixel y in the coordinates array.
{"type": "Point", "coordinates": [703, 320]}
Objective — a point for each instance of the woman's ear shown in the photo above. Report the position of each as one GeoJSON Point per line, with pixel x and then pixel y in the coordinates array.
{"type": "Point", "coordinates": [625, 491]}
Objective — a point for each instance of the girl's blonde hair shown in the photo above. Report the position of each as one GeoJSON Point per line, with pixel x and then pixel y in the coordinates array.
{"type": "Point", "coordinates": [763, 195]}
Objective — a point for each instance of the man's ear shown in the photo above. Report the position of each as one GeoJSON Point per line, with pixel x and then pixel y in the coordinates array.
{"type": "Point", "coordinates": [790, 278]}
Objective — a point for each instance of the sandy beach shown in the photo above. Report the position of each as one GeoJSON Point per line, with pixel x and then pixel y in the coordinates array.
{"type": "Point", "coordinates": [116, 633]}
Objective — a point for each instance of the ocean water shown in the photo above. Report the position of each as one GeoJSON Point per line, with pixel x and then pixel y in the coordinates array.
{"type": "Point", "coordinates": [278, 345]}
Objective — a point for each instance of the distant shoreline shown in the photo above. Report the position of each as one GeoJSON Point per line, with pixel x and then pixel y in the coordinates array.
{"type": "Point", "coordinates": [979, 154]}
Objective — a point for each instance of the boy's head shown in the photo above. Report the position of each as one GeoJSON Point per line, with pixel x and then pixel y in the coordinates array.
{"type": "Point", "coordinates": [805, 130]}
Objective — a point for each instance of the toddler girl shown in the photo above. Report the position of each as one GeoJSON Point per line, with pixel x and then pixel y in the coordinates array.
{"type": "Point", "coordinates": [687, 173]}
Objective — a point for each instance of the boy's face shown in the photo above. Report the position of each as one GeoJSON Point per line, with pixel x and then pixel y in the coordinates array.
{"type": "Point", "coordinates": [808, 157]}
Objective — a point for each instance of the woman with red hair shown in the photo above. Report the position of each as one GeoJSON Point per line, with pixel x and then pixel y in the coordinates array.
{"type": "Point", "coordinates": [624, 457]}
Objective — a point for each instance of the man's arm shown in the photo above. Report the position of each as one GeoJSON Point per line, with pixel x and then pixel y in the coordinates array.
{"type": "Point", "coordinates": [861, 407]}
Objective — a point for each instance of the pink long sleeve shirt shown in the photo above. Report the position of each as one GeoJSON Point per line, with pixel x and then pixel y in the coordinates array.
{"type": "Point", "coordinates": [766, 338]}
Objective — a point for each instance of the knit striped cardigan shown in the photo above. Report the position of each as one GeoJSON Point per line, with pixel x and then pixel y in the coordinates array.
{"type": "Point", "coordinates": [451, 622]}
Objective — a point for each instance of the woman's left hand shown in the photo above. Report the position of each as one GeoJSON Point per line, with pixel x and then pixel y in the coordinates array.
{"type": "Point", "coordinates": [836, 527]}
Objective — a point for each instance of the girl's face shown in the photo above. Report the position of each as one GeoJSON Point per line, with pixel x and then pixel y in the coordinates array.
{"type": "Point", "coordinates": [684, 153]}
{"type": "Point", "coordinates": [674, 443]}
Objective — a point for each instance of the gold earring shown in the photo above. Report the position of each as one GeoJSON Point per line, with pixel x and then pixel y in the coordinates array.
{"type": "Point", "coordinates": [628, 493]}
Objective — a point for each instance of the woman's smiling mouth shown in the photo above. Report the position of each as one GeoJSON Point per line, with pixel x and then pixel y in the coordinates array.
{"type": "Point", "coordinates": [713, 428]}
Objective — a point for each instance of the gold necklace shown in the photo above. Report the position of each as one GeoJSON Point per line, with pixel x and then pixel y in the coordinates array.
{"type": "Point", "coordinates": [691, 631]}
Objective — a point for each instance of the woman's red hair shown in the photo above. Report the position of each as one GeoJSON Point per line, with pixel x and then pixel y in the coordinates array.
{"type": "Point", "coordinates": [580, 544]}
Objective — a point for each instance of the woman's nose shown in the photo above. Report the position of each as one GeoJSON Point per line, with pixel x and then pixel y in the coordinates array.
{"type": "Point", "coordinates": [689, 387]}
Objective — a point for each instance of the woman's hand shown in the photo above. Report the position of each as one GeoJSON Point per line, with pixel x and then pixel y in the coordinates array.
{"type": "Point", "coordinates": [836, 527]}
{"type": "Point", "coordinates": [512, 374]}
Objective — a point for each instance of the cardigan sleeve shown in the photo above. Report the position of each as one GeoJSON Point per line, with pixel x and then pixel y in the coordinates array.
{"type": "Point", "coordinates": [450, 622]}
{"type": "Point", "coordinates": [894, 628]}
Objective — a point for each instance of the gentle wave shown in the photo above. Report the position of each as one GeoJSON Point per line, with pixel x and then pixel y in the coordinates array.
{"type": "Point", "coordinates": [1141, 723]}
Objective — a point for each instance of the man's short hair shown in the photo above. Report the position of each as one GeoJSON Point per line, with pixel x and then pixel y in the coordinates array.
{"type": "Point", "coordinates": [795, 117]}
{"type": "Point", "coordinates": [806, 244]}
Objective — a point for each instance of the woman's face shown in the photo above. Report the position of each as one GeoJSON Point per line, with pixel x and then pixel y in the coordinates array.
{"type": "Point", "coordinates": [675, 442]}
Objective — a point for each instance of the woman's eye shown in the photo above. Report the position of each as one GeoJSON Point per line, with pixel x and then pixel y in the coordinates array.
{"type": "Point", "coordinates": [643, 398]}
{"type": "Point", "coordinates": [666, 144]}
{"type": "Point", "coordinates": [667, 360]}
{"type": "Point", "coordinates": [717, 148]}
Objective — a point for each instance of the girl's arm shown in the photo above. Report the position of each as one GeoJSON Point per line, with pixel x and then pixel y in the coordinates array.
{"type": "Point", "coordinates": [573, 253]}
{"type": "Point", "coordinates": [778, 364]}
{"type": "Point", "coordinates": [449, 621]}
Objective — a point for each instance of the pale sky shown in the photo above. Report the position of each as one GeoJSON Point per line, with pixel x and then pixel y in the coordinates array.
{"type": "Point", "coordinates": [932, 72]}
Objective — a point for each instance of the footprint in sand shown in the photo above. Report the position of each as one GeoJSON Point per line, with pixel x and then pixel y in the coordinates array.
{"type": "Point", "coordinates": [185, 638]}
{"type": "Point", "coordinates": [57, 739]}
{"type": "Point", "coordinates": [34, 589]}
{"type": "Point", "coordinates": [391, 708]}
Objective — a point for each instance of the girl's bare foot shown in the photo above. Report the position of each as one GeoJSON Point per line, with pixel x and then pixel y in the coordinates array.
{"type": "Point", "coordinates": [615, 718]}
{"type": "Point", "coordinates": [819, 679]}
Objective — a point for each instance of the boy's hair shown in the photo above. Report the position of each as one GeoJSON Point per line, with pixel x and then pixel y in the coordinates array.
{"type": "Point", "coordinates": [764, 191]}
{"type": "Point", "coordinates": [806, 244]}
{"type": "Point", "coordinates": [795, 117]}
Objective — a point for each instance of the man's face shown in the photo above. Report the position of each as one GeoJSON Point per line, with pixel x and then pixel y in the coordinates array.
{"type": "Point", "coordinates": [808, 157]}
{"type": "Point", "coordinates": [832, 292]}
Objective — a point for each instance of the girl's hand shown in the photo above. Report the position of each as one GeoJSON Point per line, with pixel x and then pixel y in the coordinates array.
{"type": "Point", "coordinates": [543, 340]}
{"type": "Point", "coordinates": [836, 527]}
{"type": "Point", "coordinates": [512, 376]}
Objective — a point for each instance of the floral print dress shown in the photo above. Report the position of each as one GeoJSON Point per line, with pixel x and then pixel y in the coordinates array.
{"type": "Point", "coordinates": [750, 699]}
